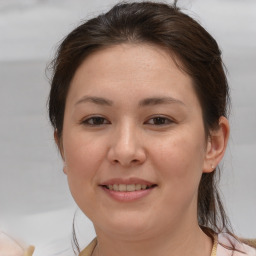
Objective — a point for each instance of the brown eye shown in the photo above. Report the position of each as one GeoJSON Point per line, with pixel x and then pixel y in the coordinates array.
{"type": "Point", "coordinates": [96, 121]}
{"type": "Point", "coordinates": [159, 121]}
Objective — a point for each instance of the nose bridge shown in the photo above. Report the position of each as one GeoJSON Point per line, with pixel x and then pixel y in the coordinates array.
{"type": "Point", "coordinates": [126, 147]}
{"type": "Point", "coordinates": [126, 135]}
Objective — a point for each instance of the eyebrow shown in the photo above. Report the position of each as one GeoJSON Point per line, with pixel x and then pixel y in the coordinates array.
{"type": "Point", "coordinates": [143, 103]}
{"type": "Point", "coordinates": [96, 100]}
{"type": "Point", "coordinates": [159, 100]}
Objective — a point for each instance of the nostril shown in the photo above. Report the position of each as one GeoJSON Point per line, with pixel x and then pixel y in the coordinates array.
{"type": "Point", "coordinates": [128, 163]}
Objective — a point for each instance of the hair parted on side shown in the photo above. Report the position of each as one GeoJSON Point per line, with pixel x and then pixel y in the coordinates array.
{"type": "Point", "coordinates": [166, 26]}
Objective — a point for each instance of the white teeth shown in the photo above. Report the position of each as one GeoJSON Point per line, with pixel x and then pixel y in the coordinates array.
{"type": "Point", "coordinates": [143, 186]}
{"type": "Point", "coordinates": [130, 187]}
{"type": "Point", "coordinates": [122, 187]}
{"type": "Point", "coordinates": [127, 188]}
{"type": "Point", "coordinates": [138, 187]}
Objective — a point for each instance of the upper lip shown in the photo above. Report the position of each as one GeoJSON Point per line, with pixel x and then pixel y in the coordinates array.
{"type": "Point", "coordinates": [127, 181]}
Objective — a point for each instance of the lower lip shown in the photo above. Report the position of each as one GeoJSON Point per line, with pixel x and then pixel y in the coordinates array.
{"type": "Point", "coordinates": [128, 196]}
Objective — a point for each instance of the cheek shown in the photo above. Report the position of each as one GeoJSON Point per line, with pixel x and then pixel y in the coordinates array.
{"type": "Point", "coordinates": [179, 151]}
{"type": "Point", "coordinates": [179, 164]}
{"type": "Point", "coordinates": [179, 159]}
{"type": "Point", "coordinates": [83, 157]}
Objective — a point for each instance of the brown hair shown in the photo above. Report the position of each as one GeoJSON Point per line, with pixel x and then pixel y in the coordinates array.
{"type": "Point", "coordinates": [164, 26]}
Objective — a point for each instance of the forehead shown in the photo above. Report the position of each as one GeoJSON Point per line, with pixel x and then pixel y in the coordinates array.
{"type": "Point", "coordinates": [130, 70]}
{"type": "Point", "coordinates": [125, 58]}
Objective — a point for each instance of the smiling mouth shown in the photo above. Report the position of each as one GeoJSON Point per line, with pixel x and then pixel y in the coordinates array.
{"type": "Point", "coordinates": [128, 187]}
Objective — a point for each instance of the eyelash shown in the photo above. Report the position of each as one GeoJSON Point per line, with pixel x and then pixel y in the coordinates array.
{"type": "Point", "coordinates": [161, 119]}
{"type": "Point", "coordinates": [94, 118]}
{"type": "Point", "coordinates": [103, 121]}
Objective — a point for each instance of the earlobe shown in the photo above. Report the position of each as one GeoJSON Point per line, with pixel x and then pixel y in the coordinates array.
{"type": "Point", "coordinates": [59, 144]}
{"type": "Point", "coordinates": [60, 147]}
{"type": "Point", "coordinates": [216, 145]}
{"type": "Point", "coordinates": [65, 168]}
{"type": "Point", "coordinates": [56, 138]}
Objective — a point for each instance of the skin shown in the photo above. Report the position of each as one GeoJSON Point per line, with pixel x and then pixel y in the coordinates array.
{"type": "Point", "coordinates": [10, 247]}
{"type": "Point", "coordinates": [6, 248]}
{"type": "Point", "coordinates": [128, 142]}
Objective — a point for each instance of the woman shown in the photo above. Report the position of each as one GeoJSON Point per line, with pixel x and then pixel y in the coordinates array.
{"type": "Point", "coordinates": [139, 103]}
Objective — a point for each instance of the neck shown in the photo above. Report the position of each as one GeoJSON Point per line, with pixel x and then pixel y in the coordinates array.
{"type": "Point", "coordinates": [187, 242]}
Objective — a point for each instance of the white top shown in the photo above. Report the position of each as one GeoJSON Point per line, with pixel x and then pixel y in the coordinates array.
{"type": "Point", "coordinates": [228, 240]}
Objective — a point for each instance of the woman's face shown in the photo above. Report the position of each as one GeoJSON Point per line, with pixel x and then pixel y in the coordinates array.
{"type": "Point", "coordinates": [133, 141]}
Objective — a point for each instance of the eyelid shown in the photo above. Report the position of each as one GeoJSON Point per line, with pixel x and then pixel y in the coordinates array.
{"type": "Point", "coordinates": [169, 119]}
{"type": "Point", "coordinates": [85, 121]}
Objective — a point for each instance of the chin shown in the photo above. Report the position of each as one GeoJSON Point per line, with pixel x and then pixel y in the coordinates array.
{"type": "Point", "coordinates": [126, 225]}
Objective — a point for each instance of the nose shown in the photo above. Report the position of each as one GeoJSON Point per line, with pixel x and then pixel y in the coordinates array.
{"type": "Point", "coordinates": [126, 147]}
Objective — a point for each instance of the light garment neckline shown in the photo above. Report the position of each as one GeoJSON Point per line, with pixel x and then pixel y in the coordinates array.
{"type": "Point", "coordinates": [88, 251]}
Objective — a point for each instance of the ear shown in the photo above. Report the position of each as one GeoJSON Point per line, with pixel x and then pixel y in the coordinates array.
{"type": "Point", "coordinates": [59, 144]}
{"type": "Point", "coordinates": [216, 145]}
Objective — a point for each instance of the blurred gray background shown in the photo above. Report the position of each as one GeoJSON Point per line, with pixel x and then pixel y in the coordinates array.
{"type": "Point", "coordinates": [35, 203]}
